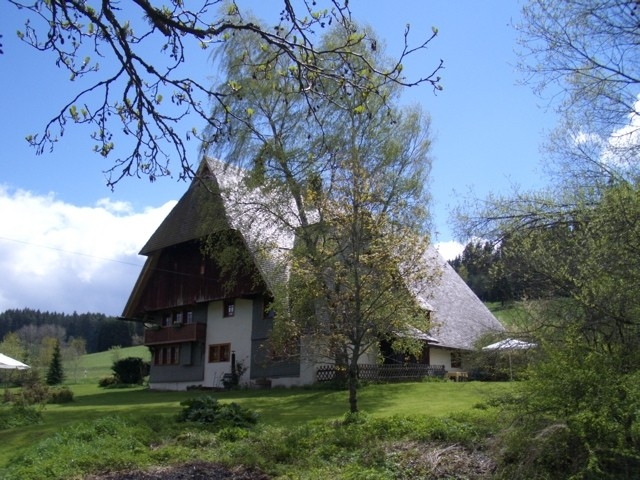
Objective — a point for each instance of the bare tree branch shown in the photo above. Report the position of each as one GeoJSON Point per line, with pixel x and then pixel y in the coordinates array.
{"type": "Point", "coordinates": [131, 98]}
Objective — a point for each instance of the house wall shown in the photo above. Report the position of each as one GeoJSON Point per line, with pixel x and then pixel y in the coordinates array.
{"type": "Point", "coordinates": [440, 356]}
{"type": "Point", "coordinates": [190, 369]}
{"type": "Point", "coordinates": [265, 362]}
{"type": "Point", "coordinates": [311, 358]}
{"type": "Point", "coordinates": [228, 330]}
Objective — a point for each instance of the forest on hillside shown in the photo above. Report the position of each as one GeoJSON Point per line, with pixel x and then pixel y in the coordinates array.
{"type": "Point", "coordinates": [32, 333]}
{"type": "Point", "coordinates": [496, 272]}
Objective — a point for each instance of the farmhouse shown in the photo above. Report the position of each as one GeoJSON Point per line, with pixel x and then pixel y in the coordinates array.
{"type": "Point", "coordinates": [205, 314]}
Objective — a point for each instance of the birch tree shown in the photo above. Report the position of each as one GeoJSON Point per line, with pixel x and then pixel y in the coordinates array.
{"type": "Point", "coordinates": [346, 174]}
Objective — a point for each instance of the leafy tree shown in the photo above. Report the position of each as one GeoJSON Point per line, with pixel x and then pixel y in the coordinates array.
{"type": "Point", "coordinates": [75, 350]}
{"type": "Point", "coordinates": [104, 46]}
{"type": "Point", "coordinates": [580, 239]}
{"type": "Point", "coordinates": [113, 333]}
{"type": "Point", "coordinates": [344, 173]}
{"type": "Point", "coordinates": [582, 245]}
{"type": "Point", "coordinates": [584, 54]}
{"type": "Point", "coordinates": [12, 346]}
{"type": "Point", "coordinates": [32, 325]}
{"type": "Point", "coordinates": [46, 349]}
{"type": "Point", "coordinates": [55, 373]}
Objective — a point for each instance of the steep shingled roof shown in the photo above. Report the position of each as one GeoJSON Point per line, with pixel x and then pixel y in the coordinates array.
{"type": "Point", "coordinates": [212, 203]}
{"type": "Point", "coordinates": [458, 317]}
{"type": "Point", "coordinates": [199, 212]}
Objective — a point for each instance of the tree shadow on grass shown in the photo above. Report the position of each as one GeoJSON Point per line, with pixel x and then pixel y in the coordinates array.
{"type": "Point", "coordinates": [275, 407]}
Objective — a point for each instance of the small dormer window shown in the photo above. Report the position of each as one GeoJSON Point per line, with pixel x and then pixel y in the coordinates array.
{"type": "Point", "coordinates": [229, 308]}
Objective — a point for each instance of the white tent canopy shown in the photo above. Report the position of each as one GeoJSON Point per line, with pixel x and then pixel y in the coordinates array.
{"type": "Point", "coordinates": [507, 345]}
{"type": "Point", "coordinates": [11, 364]}
{"type": "Point", "coordinates": [510, 344]}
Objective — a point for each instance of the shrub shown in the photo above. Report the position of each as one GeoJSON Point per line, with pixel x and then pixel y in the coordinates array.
{"type": "Point", "coordinates": [109, 381]}
{"type": "Point", "coordinates": [208, 410]}
{"type": "Point", "coordinates": [60, 395]}
{"type": "Point", "coordinates": [576, 416]}
{"type": "Point", "coordinates": [34, 393]}
{"type": "Point", "coordinates": [8, 397]}
{"type": "Point", "coordinates": [130, 370]}
{"type": "Point", "coordinates": [19, 415]}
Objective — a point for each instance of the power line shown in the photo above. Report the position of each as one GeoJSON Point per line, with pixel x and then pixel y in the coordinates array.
{"type": "Point", "coordinates": [69, 252]}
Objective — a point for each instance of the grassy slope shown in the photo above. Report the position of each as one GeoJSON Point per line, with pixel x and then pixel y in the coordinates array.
{"type": "Point", "coordinates": [90, 368]}
{"type": "Point", "coordinates": [511, 314]}
{"type": "Point", "coordinates": [278, 407]}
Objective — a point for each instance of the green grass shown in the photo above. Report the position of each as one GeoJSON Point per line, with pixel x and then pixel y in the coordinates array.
{"type": "Point", "coordinates": [94, 366]}
{"type": "Point", "coordinates": [510, 314]}
{"type": "Point", "coordinates": [279, 409]}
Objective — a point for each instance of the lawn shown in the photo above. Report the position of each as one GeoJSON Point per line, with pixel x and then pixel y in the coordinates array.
{"type": "Point", "coordinates": [94, 366]}
{"type": "Point", "coordinates": [511, 314]}
{"type": "Point", "coordinates": [276, 407]}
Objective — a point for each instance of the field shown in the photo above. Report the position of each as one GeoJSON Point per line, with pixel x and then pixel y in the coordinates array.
{"type": "Point", "coordinates": [277, 408]}
{"type": "Point", "coordinates": [91, 368]}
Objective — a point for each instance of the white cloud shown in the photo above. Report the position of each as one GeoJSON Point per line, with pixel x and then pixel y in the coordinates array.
{"type": "Point", "coordinates": [55, 256]}
{"type": "Point", "coordinates": [449, 250]}
{"type": "Point", "coordinates": [620, 148]}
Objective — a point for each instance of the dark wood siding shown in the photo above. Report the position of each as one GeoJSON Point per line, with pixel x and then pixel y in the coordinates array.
{"type": "Point", "coordinates": [183, 275]}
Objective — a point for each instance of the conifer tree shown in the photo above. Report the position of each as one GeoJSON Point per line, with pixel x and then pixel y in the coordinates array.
{"type": "Point", "coordinates": [55, 374]}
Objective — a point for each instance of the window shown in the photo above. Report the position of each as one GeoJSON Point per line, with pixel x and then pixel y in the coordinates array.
{"type": "Point", "coordinates": [174, 357]}
{"type": "Point", "coordinates": [220, 352]}
{"type": "Point", "coordinates": [169, 355]}
{"type": "Point", "coordinates": [229, 308]}
{"type": "Point", "coordinates": [166, 320]}
{"type": "Point", "coordinates": [189, 317]}
{"type": "Point", "coordinates": [178, 317]}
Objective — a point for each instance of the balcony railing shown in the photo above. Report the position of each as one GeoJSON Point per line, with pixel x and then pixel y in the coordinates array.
{"type": "Point", "coordinates": [188, 332]}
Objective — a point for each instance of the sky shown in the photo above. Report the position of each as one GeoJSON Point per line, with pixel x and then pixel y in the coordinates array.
{"type": "Point", "coordinates": [69, 243]}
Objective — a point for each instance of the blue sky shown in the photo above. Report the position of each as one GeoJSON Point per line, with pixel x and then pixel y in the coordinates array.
{"type": "Point", "coordinates": [78, 239]}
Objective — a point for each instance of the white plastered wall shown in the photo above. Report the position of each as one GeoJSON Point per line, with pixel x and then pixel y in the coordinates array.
{"type": "Point", "coordinates": [234, 330]}
{"type": "Point", "coordinates": [440, 356]}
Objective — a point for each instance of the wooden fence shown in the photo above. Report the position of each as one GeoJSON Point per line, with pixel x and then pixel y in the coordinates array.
{"type": "Point", "coordinates": [383, 373]}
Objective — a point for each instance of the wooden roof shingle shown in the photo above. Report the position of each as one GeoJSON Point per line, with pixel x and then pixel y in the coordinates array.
{"type": "Point", "coordinates": [458, 316]}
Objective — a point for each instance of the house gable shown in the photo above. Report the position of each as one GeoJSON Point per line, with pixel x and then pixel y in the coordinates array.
{"type": "Point", "coordinates": [194, 256]}
{"type": "Point", "coordinates": [201, 254]}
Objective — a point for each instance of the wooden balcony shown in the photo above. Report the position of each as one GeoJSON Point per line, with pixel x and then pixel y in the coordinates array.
{"type": "Point", "coordinates": [189, 332]}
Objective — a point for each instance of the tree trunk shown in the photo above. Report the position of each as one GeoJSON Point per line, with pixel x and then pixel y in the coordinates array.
{"type": "Point", "coordinates": [353, 387]}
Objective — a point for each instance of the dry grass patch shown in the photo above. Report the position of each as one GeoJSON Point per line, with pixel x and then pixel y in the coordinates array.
{"type": "Point", "coordinates": [436, 461]}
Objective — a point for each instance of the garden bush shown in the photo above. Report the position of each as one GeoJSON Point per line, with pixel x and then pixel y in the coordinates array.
{"type": "Point", "coordinates": [33, 393]}
{"type": "Point", "coordinates": [130, 370]}
{"type": "Point", "coordinates": [207, 409]}
{"type": "Point", "coordinates": [60, 395]}
{"type": "Point", "coordinates": [578, 416]}
{"type": "Point", "coordinates": [106, 382]}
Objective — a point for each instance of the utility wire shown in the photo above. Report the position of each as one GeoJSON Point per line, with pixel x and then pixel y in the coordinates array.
{"type": "Point", "coordinates": [69, 252]}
